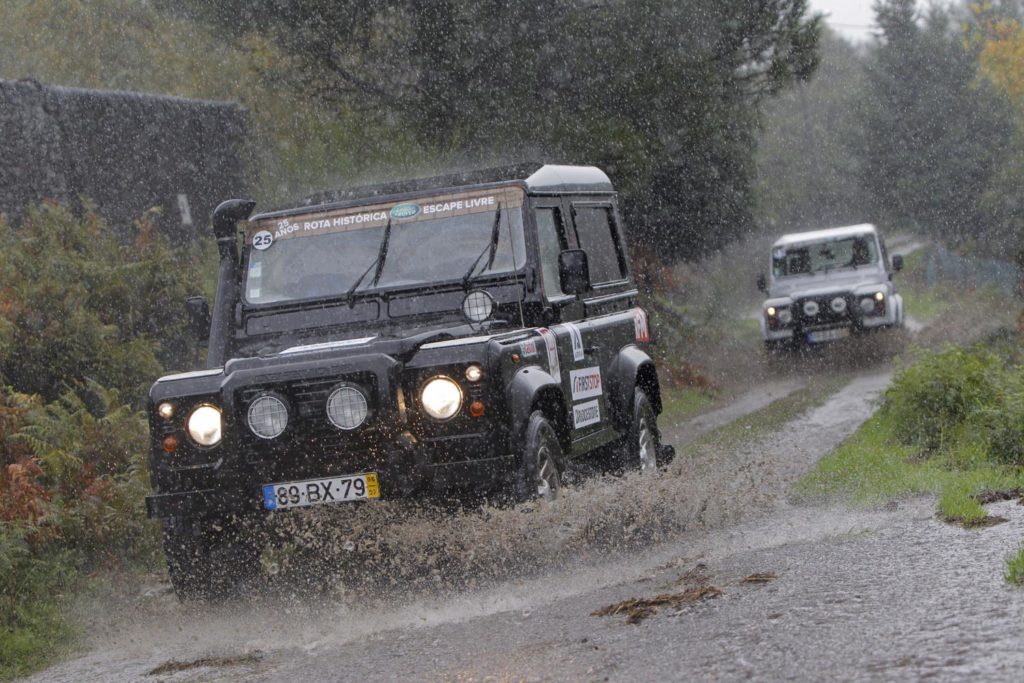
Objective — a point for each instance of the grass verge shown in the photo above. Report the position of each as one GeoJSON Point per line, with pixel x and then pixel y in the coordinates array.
{"type": "Point", "coordinates": [1015, 568]}
{"type": "Point", "coordinates": [768, 419]}
{"type": "Point", "coordinates": [948, 426]}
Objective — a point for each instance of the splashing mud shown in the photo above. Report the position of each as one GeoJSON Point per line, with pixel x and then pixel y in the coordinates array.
{"type": "Point", "coordinates": [340, 574]}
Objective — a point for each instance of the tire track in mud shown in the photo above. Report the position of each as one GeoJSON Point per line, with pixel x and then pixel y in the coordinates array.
{"type": "Point", "coordinates": [346, 573]}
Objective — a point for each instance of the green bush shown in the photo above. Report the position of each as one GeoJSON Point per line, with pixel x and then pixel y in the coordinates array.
{"type": "Point", "coordinates": [87, 320]}
{"type": "Point", "coordinates": [930, 401]}
{"type": "Point", "coordinates": [78, 303]}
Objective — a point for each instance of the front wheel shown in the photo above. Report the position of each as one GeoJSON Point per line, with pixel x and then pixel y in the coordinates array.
{"type": "Point", "coordinates": [539, 474]}
{"type": "Point", "coordinates": [213, 565]}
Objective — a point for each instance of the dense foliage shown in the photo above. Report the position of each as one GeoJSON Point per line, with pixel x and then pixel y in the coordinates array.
{"type": "Point", "coordinates": [78, 348]}
{"type": "Point", "coordinates": [918, 129]}
{"type": "Point", "coordinates": [961, 399]}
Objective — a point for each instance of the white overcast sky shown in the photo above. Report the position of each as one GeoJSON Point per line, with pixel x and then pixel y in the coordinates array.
{"type": "Point", "coordinates": [850, 18]}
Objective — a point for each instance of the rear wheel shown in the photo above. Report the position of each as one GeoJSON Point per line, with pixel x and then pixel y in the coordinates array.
{"type": "Point", "coordinates": [642, 445]}
{"type": "Point", "coordinates": [540, 468]}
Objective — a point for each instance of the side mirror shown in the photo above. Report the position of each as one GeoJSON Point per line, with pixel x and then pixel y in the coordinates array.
{"type": "Point", "coordinates": [198, 317]}
{"type": "Point", "coordinates": [762, 283]}
{"type": "Point", "coordinates": [897, 262]}
{"type": "Point", "coordinates": [574, 271]}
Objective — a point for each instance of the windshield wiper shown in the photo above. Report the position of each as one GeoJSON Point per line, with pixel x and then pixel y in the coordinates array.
{"type": "Point", "coordinates": [382, 253]}
{"type": "Point", "coordinates": [491, 247]}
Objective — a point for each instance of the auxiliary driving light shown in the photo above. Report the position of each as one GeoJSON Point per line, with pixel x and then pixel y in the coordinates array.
{"type": "Point", "coordinates": [867, 304]}
{"type": "Point", "coordinates": [204, 425]}
{"type": "Point", "coordinates": [347, 407]}
{"type": "Point", "coordinates": [441, 398]}
{"type": "Point", "coordinates": [267, 417]}
{"type": "Point", "coordinates": [785, 316]}
{"type": "Point", "coordinates": [474, 373]}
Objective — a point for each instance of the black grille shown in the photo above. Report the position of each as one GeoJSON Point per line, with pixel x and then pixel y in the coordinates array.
{"type": "Point", "coordinates": [825, 314]}
{"type": "Point", "coordinates": [309, 430]}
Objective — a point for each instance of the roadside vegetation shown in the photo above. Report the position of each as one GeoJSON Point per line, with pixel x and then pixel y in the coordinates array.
{"type": "Point", "coordinates": [78, 350]}
{"type": "Point", "coordinates": [951, 424]}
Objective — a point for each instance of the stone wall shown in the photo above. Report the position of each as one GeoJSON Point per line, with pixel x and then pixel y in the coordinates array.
{"type": "Point", "coordinates": [124, 151]}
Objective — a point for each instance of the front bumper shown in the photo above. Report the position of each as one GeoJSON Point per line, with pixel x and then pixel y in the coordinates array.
{"type": "Point", "coordinates": [408, 470]}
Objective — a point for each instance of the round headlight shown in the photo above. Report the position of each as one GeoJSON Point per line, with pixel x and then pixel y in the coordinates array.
{"type": "Point", "coordinates": [441, 398]}
{"type": "Point", "coordinates": [204, 425]}
{"type": "Point", "coordinates": [785, 316]}
{"type": "Point", "coordinates": [268, 416]}
{"type": "Point", "coordinates": [867, 304]}
{"type": "Point", "coordinates": [346, 407]}
{"type": "Point", "coordinates": [771, 310]}
{"type": "Point", "coordinates": [811, 308]}
{"type": "Point", "coordinates": [879, 296]}
{"type": "Point", "coordinates": [838, 304]}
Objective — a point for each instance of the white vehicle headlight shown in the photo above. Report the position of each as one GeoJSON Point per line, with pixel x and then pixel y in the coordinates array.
{"type": "Point", "coordinates": [867, 304]}
{"type": "Point", "coordinates": [838, 304]}
{"type": "Point", "coordinates": [204, 425]}
{"type": "Point", "coordinates": [785, 316]}
{"type": "Point", "coordinates": [441, 398]}
{"type": "Point", "coordinates": [268, 417]}
{"type": "Point", "coordinates": [811, 308]}
{"type": "Point", "coordinates": [347, 407]}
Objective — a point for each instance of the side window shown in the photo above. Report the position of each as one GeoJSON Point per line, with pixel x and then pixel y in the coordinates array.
{"type": "Point", "coordinates": [551, 242]}
{"type": "Point", "coordinates": [596, 235]}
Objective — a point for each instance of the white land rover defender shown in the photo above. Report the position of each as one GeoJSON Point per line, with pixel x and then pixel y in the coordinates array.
{"type": "Point", "coordinates": [825, 285]}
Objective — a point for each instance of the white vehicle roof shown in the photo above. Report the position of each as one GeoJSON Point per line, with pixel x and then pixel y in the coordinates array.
{"type": "Point", "coordinates": [827, 234]}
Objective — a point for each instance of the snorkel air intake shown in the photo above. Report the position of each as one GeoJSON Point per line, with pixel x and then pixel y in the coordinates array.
{"type": "Point", "coordinates": [225, 224]}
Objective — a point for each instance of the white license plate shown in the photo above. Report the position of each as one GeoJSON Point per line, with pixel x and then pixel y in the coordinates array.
{"type": "Point", "coordinates": [297, 494]}
{"type": "Point", "coordinates": [828, 335]}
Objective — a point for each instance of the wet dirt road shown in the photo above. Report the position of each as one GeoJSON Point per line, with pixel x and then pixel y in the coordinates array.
{"type": "Point", "coordinates": [538, 573]}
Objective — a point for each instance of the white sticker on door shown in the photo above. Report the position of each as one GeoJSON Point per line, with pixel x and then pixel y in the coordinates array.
{"type": "Point", "coordinates": [585, 383]}
{"type": "Point", "coordinates": [586, 414]}
{"type": "Point", "coordinates": [577, 341]}
{"type": "Point", "coordinates": [552, 348]}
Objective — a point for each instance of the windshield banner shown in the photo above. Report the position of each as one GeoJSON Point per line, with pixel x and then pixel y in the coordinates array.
{"type": "Point", "coordinates": [263, 233]}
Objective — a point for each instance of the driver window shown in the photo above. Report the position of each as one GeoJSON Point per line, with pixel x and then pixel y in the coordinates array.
{"type": "Point", "coordinates": [551, 241]}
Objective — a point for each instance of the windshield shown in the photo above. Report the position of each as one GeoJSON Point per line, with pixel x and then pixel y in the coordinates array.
{"type": "Point", "coordinates": [431, 240]}
{"type": "Point", "coordinates": [803, 259]}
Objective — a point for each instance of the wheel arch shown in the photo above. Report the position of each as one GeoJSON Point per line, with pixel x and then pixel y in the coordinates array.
{"type": "Point", "coordinates": [535, 389]}
{"type": "Point", "coordinates": [632, 368]}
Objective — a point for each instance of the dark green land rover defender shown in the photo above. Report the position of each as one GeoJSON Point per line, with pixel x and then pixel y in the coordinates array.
{"type": "Point", "coordinates": [461, 334]}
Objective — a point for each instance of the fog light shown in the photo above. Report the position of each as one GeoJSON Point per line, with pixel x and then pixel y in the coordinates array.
{"type": "Point", "coordinates": [204, 425]}
{"type": "Point", "coordinates": [347, 407]}
{"type": "Point", "coordinates": [838, 305]}
{"type": "Point", "coordinates": [267, 417]}
{"type": "Point", "coordinates": [441, 398]}
{"type": "Point", "coordinates": [165, 410]}
{"type": "Point", "coordinates": [474, 373]}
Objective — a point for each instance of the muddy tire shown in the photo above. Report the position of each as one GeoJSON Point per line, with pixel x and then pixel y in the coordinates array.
{"type": "Point", "coordinates": [212, 566]}
{"type": "Point", "coordinates": [540, 468]}
{"type": "Point", "coordinates": [640, 450]}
